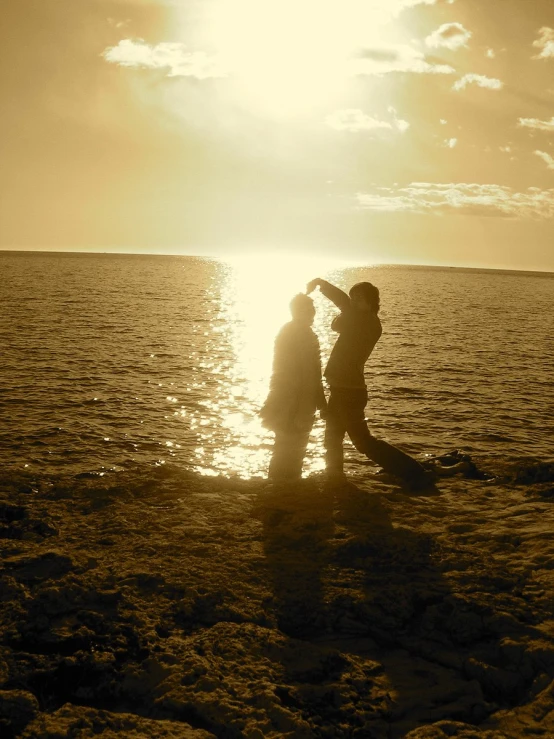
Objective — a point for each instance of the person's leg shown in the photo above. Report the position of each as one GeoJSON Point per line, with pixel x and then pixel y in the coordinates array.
{"type": "Point", "coordinates": [297, 451]}
{"type": "Point", "coordinates": [278, 462]}
{"type": "Point", "coordinates": [334, 435]}
{"type": "Point", "coordinates": [389, 457]}
{"type": "Point", "coordinates": [287, 457]}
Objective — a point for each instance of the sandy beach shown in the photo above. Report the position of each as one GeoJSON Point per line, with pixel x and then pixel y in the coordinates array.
{"type": "Point", "coordinates": [209, 607]}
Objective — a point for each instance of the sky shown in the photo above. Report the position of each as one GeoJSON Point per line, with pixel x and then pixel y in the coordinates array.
{"type": "Point", "coordinates": [395, 131]}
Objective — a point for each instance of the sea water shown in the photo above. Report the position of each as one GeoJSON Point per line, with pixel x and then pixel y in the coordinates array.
{"type": "Point", "coordinates": [110, 361]}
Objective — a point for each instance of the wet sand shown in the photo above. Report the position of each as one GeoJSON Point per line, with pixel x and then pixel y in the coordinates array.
{"type": "Point", "coordinates": [203, 607]}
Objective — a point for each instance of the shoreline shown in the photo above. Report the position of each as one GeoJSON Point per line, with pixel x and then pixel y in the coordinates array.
{"type": "Point", "coordinates": [202, 607]}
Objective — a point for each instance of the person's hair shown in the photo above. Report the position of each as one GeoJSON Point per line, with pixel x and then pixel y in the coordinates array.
{"type": "Point", "coordinates": [369, 292]}
{"type": "Point", "coordinates": [300, 304]}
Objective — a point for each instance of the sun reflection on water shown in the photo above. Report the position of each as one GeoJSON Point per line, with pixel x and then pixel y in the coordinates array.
{"type": "Point", "coordinates": [253, 305]}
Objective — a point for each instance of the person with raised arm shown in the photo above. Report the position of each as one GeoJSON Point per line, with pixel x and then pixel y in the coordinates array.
{"type": "Point", "coordinates": [359, 329]}
{"type": "Point", "coordinates": [295, 391]}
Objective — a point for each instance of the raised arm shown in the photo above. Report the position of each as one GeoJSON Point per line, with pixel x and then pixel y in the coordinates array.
{"type": "Point", "coordinates": [333, 293]}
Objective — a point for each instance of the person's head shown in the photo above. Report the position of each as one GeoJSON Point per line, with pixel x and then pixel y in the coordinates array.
{"type": "Point", "coordinates": [302, 309]}
{"type": "Point", "coordinates": [365, 297]}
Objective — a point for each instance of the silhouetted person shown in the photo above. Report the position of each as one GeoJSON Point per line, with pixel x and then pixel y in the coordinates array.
{"type": "Point", "coordinates": [359, 329]}
{"type": "Point", "coordinates": [296, 391]}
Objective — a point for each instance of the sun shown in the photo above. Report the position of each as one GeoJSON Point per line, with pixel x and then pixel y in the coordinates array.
{"type": "Point", "coordinates": [291, 57]}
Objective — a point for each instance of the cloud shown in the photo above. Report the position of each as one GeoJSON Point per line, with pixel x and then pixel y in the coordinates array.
{"type": "Point", "coordinates": [460, 199]}
{"type": "Point", "coordinates": [480, 80]}
{"type": "Point", "coordinates": [450, 143]}
{"type": "Point", "coordinates": [450, 36]}
{"type": "Point", "coordinates": [118, 23]}
{"type": "Point", "coordinates": [167, 55]}
{"type": "Point", "coordinates": [395, 7]}
{"type": "Point", "coordinates": [412, 3]}
{"type": "Point", "coordinates": [490, 53]}
{"type": "Point", "coordinates": [545, 43]}
{"type": "Point", "coordinates": [546, 158]}
{"type": "Point", "coordinates": [398, 58]}
{"type": "Point", "coordinates": [355, 120]}
{"type": "Point", "coordinates": [154, 3]}
{"type": "Point", "coordinates": [536, 124]}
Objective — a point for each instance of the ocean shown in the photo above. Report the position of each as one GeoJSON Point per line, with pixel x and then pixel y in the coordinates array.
{"type": "Point", "coordinates": [113, 363]}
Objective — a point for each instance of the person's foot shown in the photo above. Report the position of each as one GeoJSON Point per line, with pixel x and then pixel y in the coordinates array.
{"type": "Point", "coordinates": [338, 481]}
{"type": "Point", "coordinates": [442, 470]}
{"type": "Point", "coordinates": [276, 486]}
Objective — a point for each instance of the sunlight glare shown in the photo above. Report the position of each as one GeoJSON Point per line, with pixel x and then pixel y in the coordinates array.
{"type": "Point", "coordinates": [263, 286]}
{"type": "Point", "coordinates": [287, 57]}
{"type": "Point", "coordinates": [255, 305]}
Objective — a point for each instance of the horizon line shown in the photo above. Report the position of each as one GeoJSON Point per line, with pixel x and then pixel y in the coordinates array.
{"type": "Point", "coordinates": [345, 264]}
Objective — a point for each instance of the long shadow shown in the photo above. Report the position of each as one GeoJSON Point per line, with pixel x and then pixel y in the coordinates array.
{"type": "Point", "coordinates": [391, 566]}
{"type": "Point", "coordinates": [343, 576]}
{"type": "Point", "coordinates": [297, 526]}
{"type": "Point", "coordinates": [457, 654]}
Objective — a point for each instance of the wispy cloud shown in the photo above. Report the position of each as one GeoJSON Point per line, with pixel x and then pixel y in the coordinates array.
{"type": "Point", "coordinates": [545, 43]}
{"type": "Point", "coordinates": [115, 23]}
{"type": "Point", "coordinates": [450, 143]}
{"type": "Point", "coordinates": [480, 80]}
{"type": "Point", "coordinates": [460, 198]}
{"type": "Point", "coordinates": [398, 58]}
{"type": "Point", "coordinates": [411, 3]}
{"type": "Point", "coordinates": [536, 124]}
{"type": "Point", "coordinates": [355, 120]}
{"type": "Point", "coordinates": [449, 36]}
{"type": "Point", "coordinates": [490, 53]}
{"type": "Point", "coordinates": [396, 6]}
{"type": "Point", "coordinates": [167, 55]}
{"type": "Point", "coordinates": [545, 156]}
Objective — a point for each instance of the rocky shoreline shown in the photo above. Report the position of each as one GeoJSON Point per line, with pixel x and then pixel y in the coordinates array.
{"type": "Point", "coordinates": [195, 607]}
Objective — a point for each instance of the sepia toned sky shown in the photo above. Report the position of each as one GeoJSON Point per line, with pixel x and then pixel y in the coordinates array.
{"type": "Point", "coordinates": [418, 131]}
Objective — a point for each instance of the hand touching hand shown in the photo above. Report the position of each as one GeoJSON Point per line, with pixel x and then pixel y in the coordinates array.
{"type": "Point", "coordinates": [312, 284]}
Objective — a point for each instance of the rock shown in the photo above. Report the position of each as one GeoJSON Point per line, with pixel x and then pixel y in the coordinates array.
{"type": "Point", "coordinates": [534, 472]}
{"type": "Point", "coordinates": [17, 709]}
{"type": "Point", "coordinates": [542, 656]}
{"type": "Point", "coordinates": [465, 626]}
{"type": "Point", "coordinates": [532, 719]}
{"type": "Point", "coordinates": [143, 680]}
{"type": "Point", "coordinates": [239, 678]}
{"type": "Point", "coordinates": [45, 566]}
{"type": "Point", "coordinates": [454, 730]}
{"type": "Point", "coordinates": [209, 617]}
{"type": "Point", "coordinates": [10, 512]}
{"type": "Point", "coordinates": [79, 722]}
{"type": "Point", "coordinates": [540, 683]}
{"type": "Point", "coordinates": [15, 523]}
{"type": "Point", "coordinates": [498, 683]}
{"type": "Point", "coordinates": [4, 668]}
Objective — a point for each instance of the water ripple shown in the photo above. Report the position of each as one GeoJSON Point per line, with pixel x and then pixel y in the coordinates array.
{"type": "Point", "coordinates": [110, 360]}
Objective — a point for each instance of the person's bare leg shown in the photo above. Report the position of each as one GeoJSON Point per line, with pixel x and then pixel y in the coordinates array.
{"type": "Point", "coordinates": [390, 458]}
{"type": "Point", "coordinates": [287, 457]}
{"type": "Point", "coordinates": [333, 440]}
